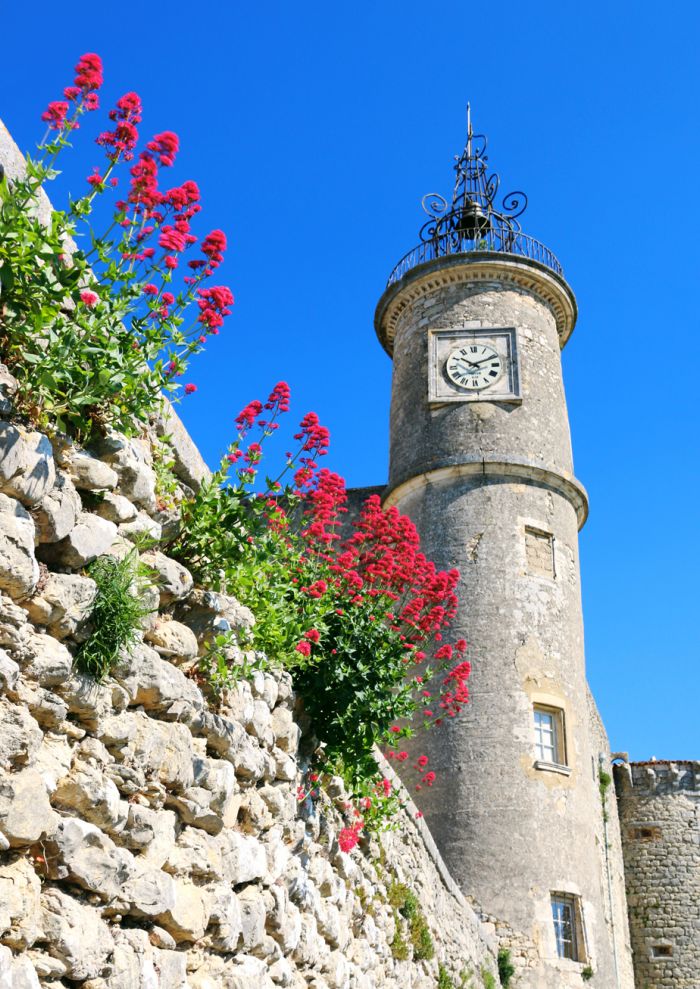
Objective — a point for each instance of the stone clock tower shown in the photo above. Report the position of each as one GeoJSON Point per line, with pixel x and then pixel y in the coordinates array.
{"type": "Point", "coordinates": [474, 319]}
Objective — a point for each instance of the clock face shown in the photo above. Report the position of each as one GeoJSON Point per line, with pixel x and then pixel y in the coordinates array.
{"type": "Point", "coordinates": [474, 366]}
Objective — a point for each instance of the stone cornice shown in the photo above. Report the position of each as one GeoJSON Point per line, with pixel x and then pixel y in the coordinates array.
{"type": "Point", "coordinates": [475, 267]}
{"type": "Point", "coordinates": [509, 470]}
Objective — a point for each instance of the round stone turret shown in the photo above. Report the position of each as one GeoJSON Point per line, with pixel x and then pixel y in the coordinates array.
{"type": "Point", "coordinates": [481, 461]}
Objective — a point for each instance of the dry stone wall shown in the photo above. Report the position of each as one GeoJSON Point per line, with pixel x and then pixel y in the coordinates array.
{"type": "Point", "coordinates": [147, 838]}
{"type": "Point", "coordinates": [659, 806]}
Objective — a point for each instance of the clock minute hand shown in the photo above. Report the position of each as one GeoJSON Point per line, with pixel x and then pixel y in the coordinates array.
{"type": "Point", "coordinates": [483, 359]}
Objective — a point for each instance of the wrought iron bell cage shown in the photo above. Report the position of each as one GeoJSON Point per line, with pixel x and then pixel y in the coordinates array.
{"type": "Point", "coordinates": [473, 222]}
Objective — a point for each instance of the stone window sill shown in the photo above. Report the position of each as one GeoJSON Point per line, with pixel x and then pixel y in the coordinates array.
{"type": "Point", "coordinates": [553, 767]}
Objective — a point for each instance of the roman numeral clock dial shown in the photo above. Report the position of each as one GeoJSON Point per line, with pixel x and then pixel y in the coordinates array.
{"type": "Point", "coordinates": [474, 366]}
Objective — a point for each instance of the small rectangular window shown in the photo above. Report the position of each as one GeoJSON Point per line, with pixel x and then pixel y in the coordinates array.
{"type": "Point", "coordinates": [550, 745]}
{"type": "Point", "coordinates": [661, 951]}
{"type": "Point", "coordinates": [539, 552]}
{"type": "Point", "coordinates": [568, 927]}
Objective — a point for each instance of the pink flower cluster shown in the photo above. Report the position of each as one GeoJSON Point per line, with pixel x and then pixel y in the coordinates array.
{"type": "Point", "coordinates": [121, 141]}
{"type": "Point", "coordinates": [88, 79]}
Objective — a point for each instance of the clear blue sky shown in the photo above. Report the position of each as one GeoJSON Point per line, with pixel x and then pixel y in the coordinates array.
{"type": "Point", "coordinates": [314, 129]}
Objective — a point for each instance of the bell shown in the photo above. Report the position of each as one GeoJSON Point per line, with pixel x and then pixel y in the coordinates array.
{"type": "Point", "coordinates": [473, 222]}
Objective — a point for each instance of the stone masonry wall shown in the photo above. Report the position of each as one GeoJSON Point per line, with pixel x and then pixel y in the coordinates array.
{"type": "Point", "coordinates": [146, 839]}
{"type": "Point", "coordinates": [659, 805]}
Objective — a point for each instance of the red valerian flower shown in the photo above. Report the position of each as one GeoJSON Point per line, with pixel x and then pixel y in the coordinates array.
{"type": "Point", "coordinates": [150, 289]}
{"type": "Point", "coordinates": [349, 837]}
{"type": "Point", "coordinates": [89, 298]}
{"type": "Point", "coordinates": [95, 178]}
{"type": "Point", "coordinates": [122, 140]}
{"type": "Point", "coordinates": [165, 146]}
{"type": "Point", "coordinates": [170, 262]}
{"type": "Point", "coordinates": [213, 246]}
{"type": "Point", "coordinates": [190, 389]}
{"type": "Point", "coordinates": [304, 648]}
{"type": "Point", "coordinates": [312, 635]}
{"type": "Point", "coordinates": [55, 115]}
{"type": "Point", "coordinates": [88, 72]}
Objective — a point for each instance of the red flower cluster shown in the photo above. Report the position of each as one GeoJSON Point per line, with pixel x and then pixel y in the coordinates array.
{"type": "Point", "coordinates": [247, 416]}
{"type": "Point", "coordinates": [316, 437]}
{"type": "Point", "coordinates": [214, 304]}
{"type": "Point", "coordinates": [88, 73]}
{"type": "Point", "coordinates": [349, 837]}
{"type": "Point", "coordinates": [55, 115]}
{"type": "Point", "coordinates": [122, 140]}
{"type": "Point", "coordinates": [165, 146]}
{"type": "Point", "coordinates": [213, 246]}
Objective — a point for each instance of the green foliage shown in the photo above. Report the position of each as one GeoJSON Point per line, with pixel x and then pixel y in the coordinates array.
{"type": "Point", "coordinates": [444, 980]}
{"type": "Point", "coordinates": [506, 969]}
{"type": "Point", "coordinates": [164, 470]}
{"type": "Point", "coordinates": [604, 781]}
{"type": "Point", "coordinates": [399, 946]}
{"type": "Point", "coordinates": [587, 973]}
{"type": "Point", "coordinates": [116, 613]}
{"type": "Point", "coordinates": [488, 979]}
{"type": "Point", "coordinates": [405, 901]}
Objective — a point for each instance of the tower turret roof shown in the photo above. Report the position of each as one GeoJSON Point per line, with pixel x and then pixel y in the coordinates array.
{"type": "Point", "coordinates": [477, 220]}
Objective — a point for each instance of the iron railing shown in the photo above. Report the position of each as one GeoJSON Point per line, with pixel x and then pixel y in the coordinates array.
{"type": "Point", "coordinates": [500, 239]}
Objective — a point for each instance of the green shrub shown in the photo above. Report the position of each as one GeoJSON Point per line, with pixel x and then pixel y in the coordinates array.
{"type": "Point", "coordinates": [116, 612]}
{"type": "Point", "coordinates": [506, 969]}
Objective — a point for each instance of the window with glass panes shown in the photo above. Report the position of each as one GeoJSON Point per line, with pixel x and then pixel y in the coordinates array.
{"type": "Point", "coordinates": [564, 917]}
{"type": "Point", "coordinates": [547, 742]}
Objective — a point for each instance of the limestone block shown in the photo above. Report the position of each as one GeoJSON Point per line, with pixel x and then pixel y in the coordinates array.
{"type": "Point", "coordinates": [188, 917]}
{"type": "Point", "coordinates": [277, 843]}
{"type": "Point", "coordinates": [252, 902]}
{"type": "Point", "coordinates": [87, 700]}
{"type": "Point", "coordinates": [243, 972]}
{"type": "Point", "coordinates": [62, 604]}
{"type": "Point", "coordinates": [209, 613]}
{"type": "Point", "coordinates": [19, 905]}
{"type": "Point", "coordinates": [151, 832]}
{"type": "Point", "coordinates": [76, 935]}
{"type": "Point", "coordinates": [142, 525]}
{"type": "Point", "coordinates": [44, 705]}
{"type": "Point", "coordinates": [259, 722]}
{"type": "Point", "coordinates": [8, 387]}
{"type": "Point", "coordinates": [16, 973]}
{"type": "Point", "coordinates": [220, 779]}
{"type": "Point", "coordinates": [286, 731]}
{"type": "Point", "coordinates": [45, 966]}
{"type": "Point", "coordinates": [27, 469]}
{"type": "Point", "coordinates": [285, 766]}
{"type": "Point", "coordinates": [149, 891]}
{"type": "Point", "coordinates": [57, 512]}
{"type": "Point", "coordinates": [174, 581]}
{"type": "Point", "coordinates": [20, 735]}
{"type": "Point", "coordinates": [194, 807]}
{"type": "Point", "coordinates": [86, 792]}
{"type": "Point", "coordinates": [19, 570]}
{"type": "Point", "coordinates": [224, 736]}
{"type": "Point", "coordinates": [9, 672]}
{"type": "Point", "coordinates": [195, 855]}
{"type": "Point", "coordinates": [174, 640]}
{"type": "Point", "coordinates": [116, 508]}
{"type": "Point", "coordinates": [53, 759]}
{"type": "Point", "coordinates": [91, 537]}
{"type": "Point", "coordinates": [154, 683]}
{"type": "Point", "coordinates": [163, 750]}
{"type": "Point", "coordinates": [46, 660]}
{"type": "Point", "coordinates": [25, 811]}
{"type": "Point", "coordinates": [284, 920]}
{"type": "Point", "coordinates": [14, 626]}
{"type": "Point", "coordinates": [243, 857]}
{"type": "Point", "coordinates": [225, 918]}
{"type": "Point", "coordinates": [254, 814]}
{"type": "Point", "coordinates": [88, 473]}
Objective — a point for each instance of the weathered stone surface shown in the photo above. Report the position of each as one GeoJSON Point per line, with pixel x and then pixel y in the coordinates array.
{"type": "Point", "coordinates": [243, 972]}
{"type": "Point", "coordinates": [9, 672]}
{"type": "Point", "coordinates": [25, 811]}
{"type": "Point", "coordinates": [209, 613]}
{"type": "Point", "coordinates": [174, 640]}
{"type": "Point", "coordinates": [62, 604]}
{"type": "Point", "coordinates": [150, 832]}
{"type": "Point", "coordinates": [90, 537]}
{"type": "Point", "coordinates": [57, 512]}
{"type": "Point", "coordinates": [187, 918]}
{"type": "Point", "coordinates": [154, 683]}
{"type": "Point", "coordinates": [225, 918]}
{"type": "Point", "coordinates": [243, 858]}
{"type": "Point", "coordinates": [88, 473]}
{"type": "Point", "coordinates": [16, 973]}
{"type": "Point", "coordinates": [162, 750]}
{"type": "Point", "coordinates": [189, 463]}
{"type": "Point", "coordinates": [174, 581]}
{"type": "Point", "coordinates": [19, 904]}
{"type": "Point", "coordinates": [115, 508]}
{"type": "Point", "coordinates": [86, 792]}
{"type": "Point", "coordinates": [77, 936]}
{"type": "Point", "coordinates": [131, 459]}
{"type": "Point", "coordinates": [90, 702]}
{"type": "Point", "coordinates": [20, 735]}
{"type": "Point", "coordinates": [27, 470]}
{"type": "Point", "coordinates": [19, 570]}
{"type": "Point", "coordinates": [46, 660]}
{"type": "Point", "coordinates": [142, 525]}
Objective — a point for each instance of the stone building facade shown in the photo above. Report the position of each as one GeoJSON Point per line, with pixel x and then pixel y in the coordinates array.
{"type": "Point", "coordinates": [660, 822]}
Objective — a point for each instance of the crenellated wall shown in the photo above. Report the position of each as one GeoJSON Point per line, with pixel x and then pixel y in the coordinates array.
{"type": "Point", "coordinates": [659, 806]}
